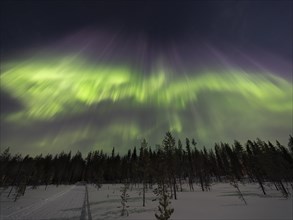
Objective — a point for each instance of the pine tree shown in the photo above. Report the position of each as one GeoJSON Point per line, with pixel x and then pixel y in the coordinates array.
{"type": "Point", "coordinates": [169, 147]}
{"type": "Point", "coordinates": [190, 165]}
{"type": "Point", "coordinates": [133, 167]}
{"type": "Point", "coordinates": [199, 167]}
{"type": "Point", "coordinates": [124, 197]}
{"type": "Point", "coordinates": [206, 169]}
{"type": "Point", "coordinates": [257, 171]}
{"type": "Point", "coordinates": [179, 154]}
{"type": "Point", "coordinates": [144, 167]}
{"type": "Point", "coordinates": [164, 209]}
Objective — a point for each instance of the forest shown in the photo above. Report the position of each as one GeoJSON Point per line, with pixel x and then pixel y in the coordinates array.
{"type": "Point", "coordinates": [168, 165]}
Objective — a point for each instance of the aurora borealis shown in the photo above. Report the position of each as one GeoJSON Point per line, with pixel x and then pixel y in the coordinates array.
{"type": "Point", "coordinates": [101, 89]}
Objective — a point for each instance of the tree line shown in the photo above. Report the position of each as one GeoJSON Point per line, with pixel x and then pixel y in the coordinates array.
{"type": "Point", "coordinates": [169, 165]}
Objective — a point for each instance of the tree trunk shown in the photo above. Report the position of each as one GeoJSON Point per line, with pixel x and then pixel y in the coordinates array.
{"type": "Point", "coordinates": [261, 185]}
{"type": "Point", "coordinates": [201, 182]}
{"type": "Point", "coordinates": [143, 194]}
{"type": "Point", "coordinates": [180, 182]}
{"type": "Point", "coordinates": [284, 191]}
{"type": "Point", "coordinates": [174, 188]}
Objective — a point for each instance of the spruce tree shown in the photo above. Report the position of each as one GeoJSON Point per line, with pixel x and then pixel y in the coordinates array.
{"type": "Point", "coordinates": [164, 209]}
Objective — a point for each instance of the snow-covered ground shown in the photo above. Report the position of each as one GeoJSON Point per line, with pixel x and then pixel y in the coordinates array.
{"type": "Point", "coordinates": [60, 202]}
{"type": "Point", "coordinates": [89, 203]}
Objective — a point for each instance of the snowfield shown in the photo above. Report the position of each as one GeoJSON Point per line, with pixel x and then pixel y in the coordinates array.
{"type": "Point", "coordinates": [87, 202]}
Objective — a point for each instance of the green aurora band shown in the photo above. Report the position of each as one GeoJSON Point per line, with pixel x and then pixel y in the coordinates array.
{"type": "Point", "coordinates": [210, 105]}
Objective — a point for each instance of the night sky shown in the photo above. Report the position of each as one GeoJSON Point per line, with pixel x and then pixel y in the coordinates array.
{"type": "Point", "coordinates": [95, 75]}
